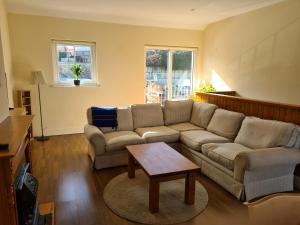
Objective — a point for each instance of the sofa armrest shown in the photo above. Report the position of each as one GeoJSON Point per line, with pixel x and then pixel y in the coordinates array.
{"type": "Point", "coordinates": [264, 158]}
{"type": "Point", "coordinates": [96, 138]}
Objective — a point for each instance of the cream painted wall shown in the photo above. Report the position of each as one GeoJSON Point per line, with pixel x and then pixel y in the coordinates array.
{"type": "Point", "coordinates": [6, 52]}
{"type": "Point", "coordinates": [3, 88]}
{"type": "Point", "coordinates": [120, 62]}
{"type": "Point", "coordinates": [257, 53]}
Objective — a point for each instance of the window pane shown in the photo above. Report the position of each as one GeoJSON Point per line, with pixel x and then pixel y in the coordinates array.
{"type": "Point", "coordinates": [83, 54]}
{"type": "Point", "coordinates": [157, 73]}
{"type": "Point", "coordinates": [182, 74]}
{"type": "Point", "coordinates": [87, 73]}
{"type": "Point", "coordinates": [65, 72]}
{"type": "Point", "coordinates": [66, 53]}
{"type": "Point", "coordinates": [69, 55]}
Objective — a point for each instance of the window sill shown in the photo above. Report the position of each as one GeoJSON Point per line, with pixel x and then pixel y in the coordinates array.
{"type": "Point", "coordinates": [70, 85]}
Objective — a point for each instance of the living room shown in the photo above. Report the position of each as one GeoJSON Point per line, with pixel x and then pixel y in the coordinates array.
{"type": "Point", "coordinates": [198, 74]}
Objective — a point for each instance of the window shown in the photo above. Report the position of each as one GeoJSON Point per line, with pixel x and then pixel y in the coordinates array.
{"type": "Point", "coordinates": [66, 54]}
{"type": "Point", "coordinates": [169, 73]}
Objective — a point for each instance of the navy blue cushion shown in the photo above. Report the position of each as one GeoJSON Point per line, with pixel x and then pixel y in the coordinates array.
{"type": "Point", "coordinates": [104, 117]}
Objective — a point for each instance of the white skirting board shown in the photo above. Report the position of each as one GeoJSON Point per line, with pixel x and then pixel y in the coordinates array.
{"type": "Point", "coordinates": [52, 132]}
{"type": "Point", "coordinates": [297, 182]}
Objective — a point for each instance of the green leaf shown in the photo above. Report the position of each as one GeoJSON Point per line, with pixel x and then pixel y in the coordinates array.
{"type": "Point", "coordinates": [77, 71]}
{"type": "Point", "coordinates": [207, 88]}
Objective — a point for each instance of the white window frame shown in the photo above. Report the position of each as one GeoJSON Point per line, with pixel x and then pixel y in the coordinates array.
{"type": "Point", "coordinates": [170, 64]}
{"type": "Point", "coordinates": [93, 82]}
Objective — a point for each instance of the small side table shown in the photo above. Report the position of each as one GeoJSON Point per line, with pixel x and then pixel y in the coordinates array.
{"type": "Point", "coordinates": [48, 209]}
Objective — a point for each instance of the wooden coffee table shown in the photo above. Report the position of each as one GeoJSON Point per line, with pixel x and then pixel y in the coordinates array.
{"type": "Point", "coordinates": [162, 163]}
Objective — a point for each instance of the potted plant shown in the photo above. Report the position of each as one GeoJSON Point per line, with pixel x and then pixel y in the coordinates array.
{"type": "Point", "coordinates": [77, 71]}
{"type": "Point", "coordinates": [207, 88]}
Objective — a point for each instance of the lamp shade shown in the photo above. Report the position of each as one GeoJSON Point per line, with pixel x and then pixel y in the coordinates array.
{"type": "Point", "coordinates": [38, 77]}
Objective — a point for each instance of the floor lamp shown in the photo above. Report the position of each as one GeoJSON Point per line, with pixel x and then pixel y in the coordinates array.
{"type": "Point", "coordinates": [39, 79]}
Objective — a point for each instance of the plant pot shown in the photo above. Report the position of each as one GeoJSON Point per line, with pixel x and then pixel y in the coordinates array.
{"type": "Point", "coordinates": [76, 82]}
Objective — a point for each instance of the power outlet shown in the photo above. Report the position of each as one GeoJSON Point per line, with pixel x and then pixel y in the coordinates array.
{"type": "Point", "coordinates": [3, 147]}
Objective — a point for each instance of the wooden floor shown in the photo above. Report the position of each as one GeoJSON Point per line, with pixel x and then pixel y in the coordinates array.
{"type": "Point", "coordinates": [66, 177]}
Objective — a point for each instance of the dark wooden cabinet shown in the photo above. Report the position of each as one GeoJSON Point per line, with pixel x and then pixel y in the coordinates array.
{"type": "Point", "coordinates": [16, 131]}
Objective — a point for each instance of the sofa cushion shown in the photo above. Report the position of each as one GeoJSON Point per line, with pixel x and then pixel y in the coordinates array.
{"type": "Point", "coordinates": [124, 118]}
{"type": "Point", "coordinates": [202, 113]}
{"type": "Point", "coordinates": [225, 123]}
{"type": "Point", "coordinates": [224, 154]}
{"type": "Point", "coordinates": [184, 127]}
{"type": "Point", "coordinates": [294, 141]}
{"type": "Point", "coordinates": [196, 138]}
{"type": "Point", "coordinates": [158, 134]}
{"type": "Point", "coordinates": [147, 115]}
{"type": "Point", "coordinates": [119, 139]}
{"type": "Point", "coordinates": [177, 111]}
{"type": "Point", "coordinates": [260, 133]}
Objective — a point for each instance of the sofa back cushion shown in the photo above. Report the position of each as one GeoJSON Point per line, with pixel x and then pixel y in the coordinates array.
{"type": "Point", "coordinates": [225, 123]}
{"type": "Point", "coordinates": [202, 113]}
{"type": "Point", "coordinates": [177, 111]}
{"type": "Point", "coordinates": [124, 118]}
{"type": "Point", "coordinates": [147, 115]}
{"type": "Point", "coordinates": [260, 133]}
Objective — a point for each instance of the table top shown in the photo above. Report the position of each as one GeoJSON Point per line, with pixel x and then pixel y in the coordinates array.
{"type": "Point", "coordinates": [158, 159]}
{"type": "Point", "coordinates": [13, 130]}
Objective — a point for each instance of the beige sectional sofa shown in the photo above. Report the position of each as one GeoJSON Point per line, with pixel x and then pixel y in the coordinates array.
{"type": "Point", "coordinates": [245, 155]}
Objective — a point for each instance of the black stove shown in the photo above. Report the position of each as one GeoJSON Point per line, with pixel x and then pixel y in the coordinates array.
{"type": "Point", "coordinates": [26, 186]}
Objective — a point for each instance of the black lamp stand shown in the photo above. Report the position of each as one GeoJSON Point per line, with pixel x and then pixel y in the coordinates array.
{"type": "Point", "coordinates": [41, 138]}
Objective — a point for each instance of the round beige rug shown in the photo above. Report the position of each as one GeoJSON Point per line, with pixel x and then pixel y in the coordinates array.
{"type": "Point", "coordinates": [128, 198]}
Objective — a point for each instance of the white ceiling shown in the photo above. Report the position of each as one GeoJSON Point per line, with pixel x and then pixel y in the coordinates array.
{"type": "Point", "coordinates": [188, 14]}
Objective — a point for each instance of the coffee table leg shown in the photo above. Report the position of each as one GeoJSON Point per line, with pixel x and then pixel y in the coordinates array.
{"type": "Point", "coordinates": [153, 196]}
{"type": "Point", "coordinates": [131, 166]}
{"type": "Point", "coordinates": [190, 182]}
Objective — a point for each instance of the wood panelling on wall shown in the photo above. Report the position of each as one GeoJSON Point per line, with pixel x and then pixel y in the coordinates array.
{"type": "Point", "coordinates": [252, 107]}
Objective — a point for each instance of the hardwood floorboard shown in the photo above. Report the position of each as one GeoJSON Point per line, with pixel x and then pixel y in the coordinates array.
{"type": "Point", "coordinates": [66, 177]}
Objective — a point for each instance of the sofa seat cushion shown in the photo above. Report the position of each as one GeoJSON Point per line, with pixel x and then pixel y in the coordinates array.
{"type": "Point", "coordinates": [147, 115]}
{"type": "Point", "coordinates": [260, 133]}
{"type": "Point", "coordinates": [224, 154]}
{"type": "Point", "coordinates": [225, 123]}
{"type": "Point", "coordinates": [177, 111]}
{"type": "Point", "coordinates": [158, 134]}
{"type": "Point", "coordinates": [202, 113]}
{"type": "Point", "coordinates": [196, 138]}
{"type": "Point", "coordinates": [119, 139]}
{"type": "Point", "coordinates": [184, 127]}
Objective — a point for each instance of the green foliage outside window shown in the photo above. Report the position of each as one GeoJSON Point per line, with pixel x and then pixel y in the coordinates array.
{"type": "Point", "coordinates": [62, 55]}
{"type": "Point", "coordinates": [157, 58]}
{"type": "Point", "coordinates": [182, 60]}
